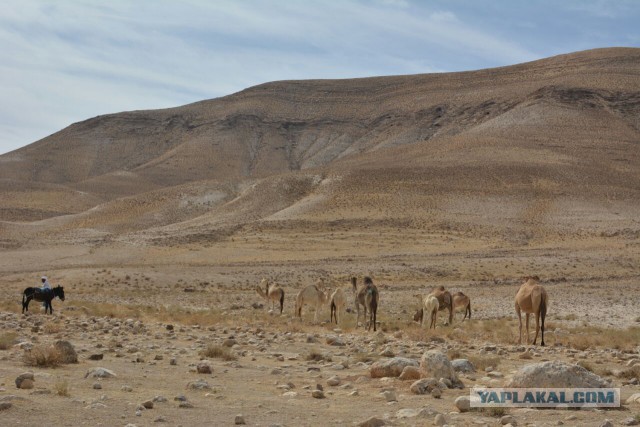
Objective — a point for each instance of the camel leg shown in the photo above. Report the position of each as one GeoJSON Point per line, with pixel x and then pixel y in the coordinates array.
{"type": "Point", "coordinates": [520, 326]}
{"type": "Point", "coordinates": [535, 338]}
{"type": "Point", "coordinates": [526, 315]}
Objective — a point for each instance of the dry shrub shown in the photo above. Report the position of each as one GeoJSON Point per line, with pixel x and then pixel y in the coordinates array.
{"type": "Point", "coordinates": [495, 411]}
{"type": "Point", "coordinates": [218, 352]}
{"type": "Point", "coordinates": [62, 388]}
{"type": "Point", "coordinates": [584, 338]}
{"type": "Point", "coordinates": [7, 339]}
{"type": "Point", "coordinates": [317, 356]}
{"type": "Point", "coordinates": [629, 373]}
{"type": "Point", "coordinates": [43, 357]}
{"type": "Point", "coordinates": [52, 328]}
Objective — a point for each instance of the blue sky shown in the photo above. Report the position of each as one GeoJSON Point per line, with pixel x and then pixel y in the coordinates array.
{"type": "Point", "coordinates": [66, 61]}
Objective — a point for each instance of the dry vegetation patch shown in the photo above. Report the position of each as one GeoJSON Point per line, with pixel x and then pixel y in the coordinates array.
{"type": "Point", "coordinates": [43, 357]}
{"type": "Point", "coordinates": [218, 352]}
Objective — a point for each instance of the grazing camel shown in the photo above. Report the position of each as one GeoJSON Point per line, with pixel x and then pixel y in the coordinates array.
{"type": "Point", "coordinates": [445, 300]}
{"type": "Point", "coordinates": [359, 297]}
{"type": "Point", "coordinates": [313, 296]}
{"type": "Point", "coordinates": [431, 306]}
{"type": "Point", "coordinates": [273, 293]}
{"type": "Point", "coordinates": [337, 304]}
{"type": "Point", "coordinates": [462, 301]}
{"type": "Point", "coordinates": [532, 299]}
{"type": "Point", "coordinates": [371, 300]}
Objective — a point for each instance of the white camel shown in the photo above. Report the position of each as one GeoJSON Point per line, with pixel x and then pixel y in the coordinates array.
{"type": "Point", "coordinates": [337, 304]}
{"type": "Point", "coordinates": [311, 295]}
{"type": "Point", "coordinates": [431, 305]}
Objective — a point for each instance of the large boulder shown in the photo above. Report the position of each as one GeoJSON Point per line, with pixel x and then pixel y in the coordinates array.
{"type": "Point", "coordinates": [435, 364]}
{"type": "Point", "coordinates": [555, 375]}
{"type": "Point", "coordinates": [25, 380]}
{"type": "Point", "coordinates": [391, 367]}
{"type": "Point", "coordinates": [463, 365]}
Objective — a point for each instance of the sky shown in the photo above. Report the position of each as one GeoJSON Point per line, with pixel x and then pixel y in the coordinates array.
{"type": "Point", "coordinates": [66, 61]}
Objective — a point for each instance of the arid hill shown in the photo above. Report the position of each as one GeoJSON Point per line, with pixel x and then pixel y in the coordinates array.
{"type": "Point", "coordinates": [547, 147]}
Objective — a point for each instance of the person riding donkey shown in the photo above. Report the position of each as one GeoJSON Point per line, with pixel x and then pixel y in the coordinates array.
{"type": "Point", "coordinates": [45, 288]}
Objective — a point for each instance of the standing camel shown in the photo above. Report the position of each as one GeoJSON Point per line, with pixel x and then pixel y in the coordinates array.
{"type": "Point", "coordinates": [273, 293]}
{"type": "Point", "coordinates": [445, 300]}
{"type": "Point", "coordinates": [532, 299]}
{"type": "Point", "coordinates": [313, 296]}
{"type": "Point", "coordinates": [360, 297]}
{"type": "Point", "coordinates": [337, 304]}
{"type": "Point", "coordinates": [371, 300]}
{"type": "Point", "coordinates": [462, 301]}
{"type": "Point", "coordinates": [431, 306]}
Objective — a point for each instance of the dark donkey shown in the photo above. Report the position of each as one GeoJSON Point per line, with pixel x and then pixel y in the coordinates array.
{"type": "Point", "coordinates": [42, 296]}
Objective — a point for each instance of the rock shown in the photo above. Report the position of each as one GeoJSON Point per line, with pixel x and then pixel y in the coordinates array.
{"type": "Point", "coordinates": [424, 386]}
{"type": "Point", "coordinates": [634, 398]}
{"type": "Point", "coordinates": [126, 388]}
{"type": "Point", "coordinates": [391, 368]}
{"type": "Point", "coordinates": [606, 423]}
{"type": "Point", "coordinates": [335, 340]}
{"type": "Point", "coordinates": [185, 405]}
{"type": "Point", "coordinates": [199, 385]}
{"type": "Point", "coordinates": [439, 420]}
{"type": "Point", "coordinates": [410, 373]}
{"type": "Point", "coordinates": [437, 365]}
{"type": "Point", "coordinates": [147, 404]}
{"type": "Point", "coordinates": [97, 356]}
{"type": "Point", "coordinates": [100, 373]}
{"type": "Point", "coordinates": [97, 386]}
{"type": "Point", "coordinates": [204, 368]}
{"type": "Point", "coordinates": [387, 352]}
{"type": "Point", "coordinates": [159, 399]}
{"type": "Point", "coordinates": [67, 352]}
{"type": "Point", "coordinates": [26, 384]}
{"type": "Point", "coordinates": [334, 381]}
{"type": "Point", "coordinates": [23, 377]}
{"type": "Point", "coordinates": [630, 422]}
{"type": "Point", "coordinates": [160, 419]}
{"type": "Point", "coordinates": [463, 403]}
{"type": "Point", "coordinates": [407, 413]}
{"type": "Point", "coordinates": [463, 365]}
{"type": "Point", "coordinates": [229, 342]}
{"type": "Point", "coordinates": [373, 422]}
{"type": "Point", "coordinates": [508, 419]}
{"type": "Point", "coordinates": [318, 394]}
{"type": "Point", "coordinates": [5, 405]}
{"type": "Point", "coordinates": [390, 395]}
{"type": "Point", "coordinates": [555, 375]}
{"type": "Point", "coordinates": [239, 420]}
{"type": "Point", "coordinates": [436, 393]}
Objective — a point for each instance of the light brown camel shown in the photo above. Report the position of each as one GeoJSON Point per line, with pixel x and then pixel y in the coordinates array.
{"type": "Point", "coordinates": [311, 295]}
{"type": "Point", "coordinates": [430, 306]}
{"type": "Point", "coordinates": [273, 293]}
{"type": "Point", "coordinates": [371, 300]}
{"type": "Point", "coordinates": [337, 303]}
{"type": "Point", "coordinates": [445, 300]}
{"type": "Point", "coordinates": [532, 299]}
{"type": "Point", "coordinates": [360, 297]}
{"type": "Point", "coordinates": [462, 301]}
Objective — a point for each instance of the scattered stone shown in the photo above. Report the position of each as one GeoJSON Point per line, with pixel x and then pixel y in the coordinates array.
{"type": "Point", "coordinates": [463, 365]}
{"type": "Point", "coordinates": [185, 405]}
{"type": "Point", "coordinates": [391, 368]}
{"type": "Point", "coordinates": [555, 375]}
{"type": "Point", "coordinates": [634, 398]}
{"type": "Point", "coordinates": [439, 420]}
{"type": "Point", "coordinates": [147, 404]}
{"type": "Point", "coordinates": [204, 368]}
{"type": "Point", "coordinates": [96, 356]}
{"type": "Point", "coordinates": [334, 381]}
{"type": "Point", "coordinates": [410, 373]}
{"type": "Point", "coordinates": [373, 422]}
{"type": "Point", "coordinates": [606, 423]}
{"type": "Point", "coordinates": [159, 399]}
{"type": "Point", "coordinates": [508, 419]}
{"type": "Point", "coordinates": [173, 361]}
{"type": "Point", "coordinates": [335, 340]}
{"type": "Point", "coordinates": [424, 386]}
{"type": "Point", "coordinates": [199, 385]}
{"type": "Point", "coordinates": [437, 365]}
{"type": "Point", "coordinates": [229, 342]}
{"type": "Point", "coordinates": [169, 327]}
{"type": "Point", "coordinates": [318, 394]}
{"type": "Point", "coordinates": [5, 405]}
{"type": "Point", "coordinates": [97, 386]}
{"type": "Point", "coordinates": [630, 422]}
{"type": "Point", "coordinates": [407, 413]}
{"type": "Point", "coordinates": [160, 419]}
{"type": "Point", "coordinates": [436, 393]}
{"type": "Point", "coordinates": [387, 352]}
{"type": "Point", "coordinates": [100, 373]}
{"type": "Point", "coordinates": [463, 403]}
{"type": "Point", "coordinates": [390, 395]}
{"type": "Point", "coordinates": [239, 420]}
{"type": "Point", "coordinates": [24, 377]}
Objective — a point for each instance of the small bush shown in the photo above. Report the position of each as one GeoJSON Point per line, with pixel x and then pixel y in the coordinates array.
{"type": "Point", "coordinates": [62, 388]}
{"type": "Point", "coordinates": [632, 372]}
{"type": "Point", "coordinates": [7, 339]}
{"type": "Point", "coordinates": [218, 352]}
{"type": "Point", "coordinates": [483, 362]}
{"type": "Point", "coordinates": [316, 356]}
{"type": "Point", "coordinates": [495, 411]}
{"type": "Point", "coordinates": [52, 328]}
{"type": "Point", "coordinates": [43, 357]}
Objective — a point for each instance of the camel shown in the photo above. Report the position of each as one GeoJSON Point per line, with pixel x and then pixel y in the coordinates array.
{"type": "Point", "coordinates": [445, 300]}
{"type": "Point", "coordinates": [371, 300]}
{"type": "Point", "coordinates": [462, 301]}
{"type": "Point", "coordinates": [273, 293]}
{"type": "Point", "coordinates": [532, 299]}
{"type": "Point", "coordinates": [359, 297]}
{"type": "Point", "coordinates": [313, 296]}
{"type": "Point", "coordinates": [431, 306]}
{"type": "Point", "coordinates": [337, 303]}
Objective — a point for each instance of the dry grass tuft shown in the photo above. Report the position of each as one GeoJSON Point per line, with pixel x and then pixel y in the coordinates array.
{"type": "Point", "coordinates": [43, 357]}
{"type": "Point", "coordinates": [587, 337]}
{"type": "Point", "coordinates": [7, 339]}
{"type": "Point", "coordinates": [495, 411]}
{"type": "Point", "coordinates": [317, 356]}
{"type": "Point", "coordinates": [218, 352]}
{"type": "Point", "coordinates": [62, 388]}
{"type": "Point", "coordinates": [52, 328]}
{"type": "Point", "coordinates": [483, 362]}
{"type": "Point", "coordinates": [629, 373]}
